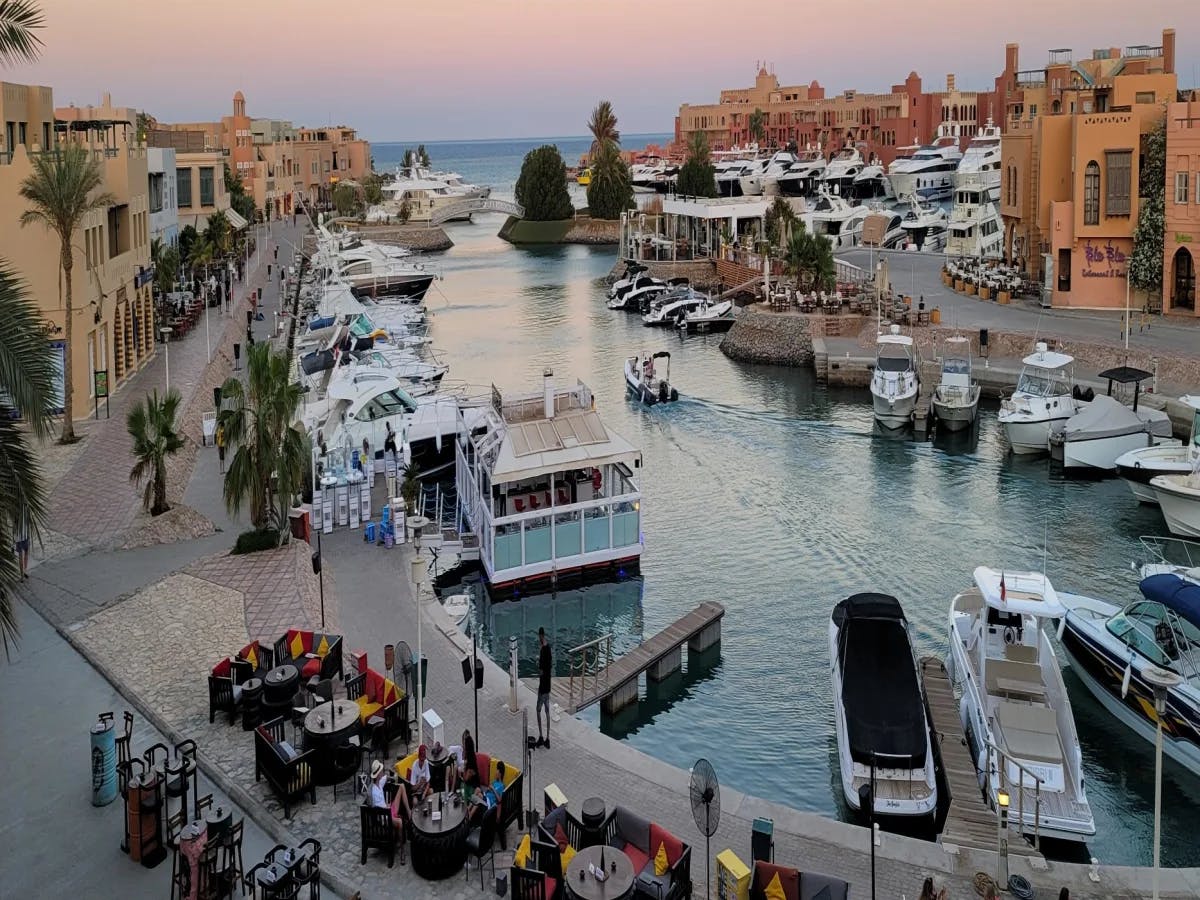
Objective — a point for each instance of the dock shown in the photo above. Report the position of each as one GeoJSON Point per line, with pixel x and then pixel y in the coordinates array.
{"type": "Point", "coordinates": [929, 373]}
{"type": "Point", "coordinates": [969, 822]}
{"type": "Point", "coordinates": [597, 678]}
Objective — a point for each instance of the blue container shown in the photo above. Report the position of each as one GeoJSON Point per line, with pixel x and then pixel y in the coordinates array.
{"type": "Point", "coordinates": [104, 763]}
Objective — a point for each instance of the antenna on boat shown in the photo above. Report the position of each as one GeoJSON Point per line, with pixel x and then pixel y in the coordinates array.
{"type": "Point", "coordinates": [1045, 541]}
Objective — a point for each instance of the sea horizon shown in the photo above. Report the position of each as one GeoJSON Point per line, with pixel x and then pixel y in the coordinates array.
{"type": "Point", "coordinates": [506, 140]}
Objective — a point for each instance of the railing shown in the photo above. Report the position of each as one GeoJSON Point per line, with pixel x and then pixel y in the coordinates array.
{"type": "Point", "coordinates": [1031, 78]}
{"type": "Point", "coordinates": [592, 658]}
{"type": "Point", "coordinates": [997, 759]}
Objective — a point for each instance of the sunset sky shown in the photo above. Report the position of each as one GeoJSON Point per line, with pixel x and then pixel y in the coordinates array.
{"type": "Point", "coordinates": [523, 68]}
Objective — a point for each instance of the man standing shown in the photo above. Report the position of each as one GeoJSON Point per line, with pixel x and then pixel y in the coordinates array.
{"type": "Point", "coordinates": [543, 701]}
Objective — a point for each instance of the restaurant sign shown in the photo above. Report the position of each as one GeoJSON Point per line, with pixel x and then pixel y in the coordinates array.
{"type": "Point", "coordinates": [1104, 261]}
{"type": "Point", "coordinates": [1182, 237]}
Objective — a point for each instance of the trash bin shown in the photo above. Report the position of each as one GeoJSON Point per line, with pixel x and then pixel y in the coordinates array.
{"type": "Point", "coordinates": [762, 840]}
{"type": "Point", "coordinates": [104, 761]}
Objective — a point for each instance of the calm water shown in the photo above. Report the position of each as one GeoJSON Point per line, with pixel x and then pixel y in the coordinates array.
{"type": "Point", "coordinates": [778, 497]}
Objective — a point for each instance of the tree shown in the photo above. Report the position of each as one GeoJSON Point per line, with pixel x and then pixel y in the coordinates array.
{"type": "Point", "coordinates": [603, 126]}
{"type": "Point", "coordinates": [64, 187]}
{"type": "Point", "coordinates": [151, 424]}
{"type": "Point", "coordinates": [610, 191]}
{"type": "Point", "coordinates": [373, 189]}
{"type": "Point", "coordinates": [20, 20]}
{"type": "Point", "coordinates": [809, 259]}
{"type": "Point", "coordinates": [241, 202]}
{"type": "Point", "coordinates": [187, 239]}
{"type": "Point", "coordinates": [269, 451]}
{"type": "Point", "coordinates": [410, 159]}
{"type": "Point", "coordinates": [1146, 262]}
{"type": "Point", "coordinates": [781, 219]}
{"type": "Point", "coordinates": [166, 269]}
{"type": "Point", "coordinates": [697, 177]}
{"type": "Point", "coordinates": [542, 186]}
{"type": "Point", "coordinates": [345, 200]}
{"type": "Point", "coordinates": [405, 211]}
{"type": "Point", "coordinates": [410, 487]}
{"type": "Point", "coordinates": [423, 156]}
{"type": "Point", "coordinates": [218, 234]}
{"type": "Point", "coordinates": [757, 123]}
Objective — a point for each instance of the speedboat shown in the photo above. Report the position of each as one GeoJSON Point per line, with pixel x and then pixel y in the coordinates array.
{"type": "Point", "coordinates": [643, 380]}
{"type": "Point", "coordinates": [1112, 649]}
{"type": "Point", "coordinates": [1179, 497]}
{"type": "Point", "coordinates": [925, 226]}
{"type": "Point", "coordinates": [894, 382]}
{"type": "Point", "coordinates": [1042, 403]}
{"type": "Point", "coordinates": [1138, 467]}
{"type": "Point", "coordinates": [642, 289]}
{"type": "Point", "coordinates": [956, 398]}
{"type": "Point", "coordinates": [930, 170]}
{"type": "Point", "coordinates": [1015, 709]}
{"type": "Point", "coordinates": [709, 316]}
{"type": "Point", "coordinates": [1095, 437]}
{"type": "Point", "coordinates": [1169, 555]}
{"type": "Point", "coordinates": [675, 307]}
{"type": "Point", "coordinates": [879, 708]}
{"type": "Point", "coordinates": [632, 271]}
{"type": "Point", "coordinates": [802, 177]}
{"type": "Point", "coordinates": [840, 172]}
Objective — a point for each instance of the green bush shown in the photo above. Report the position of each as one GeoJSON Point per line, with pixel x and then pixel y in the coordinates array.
{"type": "Point", "coordinates": [542, 186]}
{"type": "Point", "coordinates": [254, 540]}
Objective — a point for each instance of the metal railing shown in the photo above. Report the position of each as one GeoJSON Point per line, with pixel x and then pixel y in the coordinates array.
{"type": "Point", "coordinates": [591, 659]}
{"type": "Point", "coordinates": [997, 759]}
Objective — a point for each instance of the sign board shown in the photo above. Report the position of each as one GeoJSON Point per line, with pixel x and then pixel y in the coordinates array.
{"type": "Point", "coordinates": [100, 380]}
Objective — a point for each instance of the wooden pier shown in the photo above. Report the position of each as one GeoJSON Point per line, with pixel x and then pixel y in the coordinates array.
{"type": "Point", "coordinates": [927, 383]}
{"type": "Point", "coordinates": [598, 678]}
{"type": "Point", "coordinates": [970, 822]}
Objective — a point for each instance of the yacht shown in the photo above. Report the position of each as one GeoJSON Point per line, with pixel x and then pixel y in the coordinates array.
{"type": "Point", "coordinates": [422, 194]}
{"type": "Point", "coordinates": [928, 172]}
{"type": "Point", "coordinates": [879, 708]}
{"type": "Point", "coordinates": [1138, 467]}
{"type": "Point", "coordinates": [1042, 403]}
{"type": "Point", "coordinates": [979, 168]}
{"type": "Point", "coordinates": [652, 176]}
{"type": "Point", "coordinates": [976, 231]}
{"type": "Point", "coordinates": [642, 288]}
{"type": "Point", "coordinates": [840, 172]}
{"type": "Point", "coordinates": [837, 220]}
{"type": "Point", "coordinates": [871, 185]}
{"type": "Point", "coordinates": [754, 183]}
{"type": "Point", "coordinates": [925, 226]}
{"type": "Point", "coordinates": [1015, 709]}
{"type": "Point", "coordinates": [894, 380]}
{"type": "Point", "coordinates": [676, 305]}
{"type": "Point", "coordinates": [632, 270]}
{"type": "Point", "coordinates": [709, 316]}
{"type": "Point", "coordinates": [1094, 438]}
{"type": "Point", "coordinates": [1113, 648]}
{"type": "Point", "coordinates": [803, 176]}
{"type": "Point", "coordinates": [956, 398]}
{"type": "Point", "coordinates": [645, 382]}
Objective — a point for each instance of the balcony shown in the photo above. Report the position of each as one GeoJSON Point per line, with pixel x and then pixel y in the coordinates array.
{"type": "Point", "coordinates": [1142, 51]}
{"type": "Point", "coordinates": [1031, 78]}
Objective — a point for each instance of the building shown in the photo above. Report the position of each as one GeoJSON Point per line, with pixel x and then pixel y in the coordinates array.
{"type": "Point", "coordinates": [804, 115]}
{"type": "Point", "coordinates": [1181, 238]}
{"type": "Point", "coordinates": [112, 327]}
{"type": "Point", "coordinates": [199, 175]}
{"type": "Point", "coordinates": [1071, 156]}
{"type": "Point", "coordinates": [164, 202]}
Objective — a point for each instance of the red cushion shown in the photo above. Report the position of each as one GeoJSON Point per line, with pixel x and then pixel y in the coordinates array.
{"type": "Point", "coordinates": [637, 857]}
{"type": "Point", "coordinates": [560, 836]}
{"type": "Point", "coordinates": [484, 762]}
{"type": "Point", "coordinates": [223, 669]}
{"type": "Point", "coordinates": [673, 844]}
{"type": "Point", "coordinates": [551, 884]}
{"type": "Point", "coordinates": [311, 667]}
{"type": "Point", "coordinates": [373, 686]}
{"type": "Point", "coordinates": [789, 879]}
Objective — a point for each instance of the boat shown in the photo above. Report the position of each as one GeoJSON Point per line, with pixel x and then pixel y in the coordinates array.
{"type": "Point", "coordinates": [879, 708]}
{"type": "Point", "coordinates": [930, 170]}
{"type": "Point", "coordinates": [1138, 467]}
{"type": "Point", "coordinates": [632, 270]}
{"type": "Point", "coordinates": [709, 317]}
{"type": "Point", "coordinates": [894, 381]}
{"type": "Point", "coordinates": [1015, 710]}
{"type": "Point", "coordinates": [1042, 403]}
{"type": "Point", "coordinates": [654, 175]}
{"type": "Point", "coordinates": [841, 170]}
{"type": "Point", "coordinates": [1179, 497]}
{"type": "Point", "coordinates": [1169, 555]}
{"type": "Point", "coordinates": [1095, 437]}
{"type": "Point", "coordinates": [834, 218]}
{"type": "Point", "coordinates": [883, 229]}
{"type": "Point", "coordinates": [975, 228]}
{"type": "Point", "coordinates": [766, 172]}
{"type": "Point", "coordinates": [673, 307]}
{"type": "Point", "coordinates": [1113, 648]}
{"type": "Point", "coordinates": [642, 288]}
{"type": "Point", "coordinates": [956, 398]}
{"type": "Point", "coordinates": [803, 176]}
{"type": "Point", "coordinates": [871, 185]}
{"type": "Point", "coordinates": [644, 381]}
{"type": "Point", "coordinates": [457, 607]}
{"type": "Point", "coordinates": [925, 226]}
{"type": "Point", "coordinates": [979, 167]}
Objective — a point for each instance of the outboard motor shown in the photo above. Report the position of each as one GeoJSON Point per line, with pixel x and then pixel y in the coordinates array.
{"type": "Point", "coordinates": [663, 391]}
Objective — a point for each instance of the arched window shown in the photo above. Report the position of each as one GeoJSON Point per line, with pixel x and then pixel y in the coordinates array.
{"type": "Point", "coordinates": [1091, 194]}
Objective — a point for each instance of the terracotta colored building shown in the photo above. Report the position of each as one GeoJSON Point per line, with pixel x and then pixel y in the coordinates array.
{"type": "Point", "coordinates": [1072, 150]}
{"type": "Point", "coordinates": [1181, 239]}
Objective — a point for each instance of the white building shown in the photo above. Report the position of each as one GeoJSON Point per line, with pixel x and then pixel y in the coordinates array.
{"type": "Point", "coordinates": [164, 203]}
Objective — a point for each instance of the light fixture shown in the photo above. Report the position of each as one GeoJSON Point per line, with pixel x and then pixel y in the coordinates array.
{"type": "Point", "coordinates": [1002, 799]}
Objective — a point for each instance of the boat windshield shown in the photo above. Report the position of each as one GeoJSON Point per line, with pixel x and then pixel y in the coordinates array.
{"type": "Point", "coordinates": [1037, 382]}
{"type": "Point", "coordinates": [894, 363]}
{"type": "Point", "coordinates": [956, 366]}
{"type": "Point", "coordinates": [1153, 631]}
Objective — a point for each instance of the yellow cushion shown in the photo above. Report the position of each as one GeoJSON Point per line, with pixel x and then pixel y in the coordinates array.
{"type": "Point", "coordinates": [660, 861]}
{"type": "Point", "coordinates": [252, 657]}
{"type": "Point", "coordinates": [366, 708]}
{"type": "Point", "coordinates": [521, 858]}
{"type": "Point", "coordinates": [567, 856]}
{"type": "Point", "coordinates": [774, 889]}
{"type": "Point", "coordinates": [297, 646]}
{"type": "Point", "coordinates": [323, 647]}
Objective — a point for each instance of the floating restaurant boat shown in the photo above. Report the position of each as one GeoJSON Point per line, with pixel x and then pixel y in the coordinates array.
{"type": "Point", "coordinates": [1042, 403]}
{"type": "Point", "coordinates": [548, 489]}
{"type": "Point", "coordinates": [1138, 467]}
{"type": "Point", "coordinates": [956, 398]}
{"type": "Point", "coordinates": [894, 382]}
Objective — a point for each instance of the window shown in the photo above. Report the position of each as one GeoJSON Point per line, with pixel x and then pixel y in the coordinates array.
{"type": "Point", "coordinates": [1144, 97]}
{"type": "Point", "coordinates": [1064, 270]}
{"type": "Point", "coordinates": [183, 187]}
{"type": "Point", "coordinates": [1118, 186]}
{"type": "Point", "coordinates": [1032, 110]}
{"type": "Point", "coordinates": [206, 186]}
{"type": "Point", "coordinates": [1181, 187]}
{"type": "Point", "coordinates": [1091, 194]}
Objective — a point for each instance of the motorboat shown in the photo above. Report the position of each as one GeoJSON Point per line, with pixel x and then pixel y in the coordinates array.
{"type": "Point", "coordinates": [709, 317]}
{"type": "Point", "coordinates": [840, 172]}
{"type": "Point", "coordinates": [643, 288]}
{"type": "Point", "coordinates": [1138, 467]}
{"type": "Point", "coordinates": [1169, 555]}
{"type": "Point", "coordinates": [979, 167]}
{"type": "Point", "coordinates": [1042, 403]}
{"type": "Point", "coordinates": [675, 307]}
{"type": "Point", "coordinates": [1014, 707]}
{"type": "Point", "coordinates": [879, 708]}
{"type": "Point", "coordinates": [894, 381]}
{"type": "Point", "coordinates": [754, 182]}
{"type": "Point", "coordinates": [1179, 497]}
{"type": "Point", "coordinates": [976, 231]}
{"type": "Point", "coordinates": [803, 176]}
{"type": "Point", "coordinates": [1116, 651]}
{"type": "Point", "coordinates": [929, 170]}
{"type": "Point", "coordinates": [871, 185]}
{"type": "Point", "coordinates": [834, 218]}
{"type": "Point", "coordinates": [956, 398]}
{"type": "Point", "coordinates": [925, 226]}
{"type": "Point", "coordinates": [1095, 437]}
{"type": "Point", "coordinates": [652, 176]}
{"type": "Point", "coordinates": [457, 607]}
{"type": "Point", "coordinates": [729, 176]}
{"type": "Point", "coordinates": [645, 382]}
{"type": "Point", "coordinates": [632, 271]}
{"type": "Point", "coordinates": [884, 229]}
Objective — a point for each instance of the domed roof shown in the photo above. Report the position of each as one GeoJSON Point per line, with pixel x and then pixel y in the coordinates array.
{"type": "Point", "coordinates": [239, 97]}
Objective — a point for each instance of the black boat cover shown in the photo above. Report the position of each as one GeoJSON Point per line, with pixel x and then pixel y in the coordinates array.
{"type": "Point", "coordinates": [319, 361]}
{"type": "Point", "coordinates": [880, 692]}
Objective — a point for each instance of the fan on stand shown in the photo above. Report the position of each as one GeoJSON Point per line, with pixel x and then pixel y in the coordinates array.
{"type": "Point", "coordinates": [403, 676]}
{"type": "Point", "coordinates": [705, 792]}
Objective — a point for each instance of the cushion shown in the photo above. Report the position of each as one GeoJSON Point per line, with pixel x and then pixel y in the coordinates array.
{"type": "Point", "coordinates": [813, 883]}
{"type": "Point", "coordinates": [366, 708]}
{"type": "Point", "coordinates": [323, 646]}
{"type": "Point", "coordinates": [774, 889]}
{"type": "Point", "coordinates": [567, 856]}
{"type": "Point", "coordinates": [521, 857]}
{"type": "Point", "coordinates": [673, 845]}
{"type": "Point", "coordinates": [483, 764]}
{"type": "Point", "coordinates": [223, 669]}
{"type": "Point", "coordinates": [295, 644]}
{"type": "Point", "coordinates": [237, 693]}
{"type": "Point", "coordinates": [651, 884]}
{"type": "Point", "coordinates": [287, 751]}
{"type": "Point", "coordinates": [560, 838]}
{"type": "Point", "coordinates": [789, 879]}
{"type": "Point", "coordinates": [310, 668]}
{"type": "Point", "coordinates": [250, 654]}
{"type": "Point", "coordinates": [660, 860]}
{"type": "Point", "coordinates": [551, 884]}
{"type": "Point", "coordinates": [633, 828]}
{"type": "Point", "coordinates": [636, 856]}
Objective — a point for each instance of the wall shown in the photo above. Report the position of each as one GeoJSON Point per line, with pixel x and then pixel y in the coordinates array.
{"type": "Point", "coordinates": [195, 213]}
{"type": "Point", "coordinates": [164, 224]}
{"type": "Point", "coordinates": [1181, 239]}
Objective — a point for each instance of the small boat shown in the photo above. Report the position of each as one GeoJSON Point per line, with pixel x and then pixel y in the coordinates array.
{"type": "Point", "coordinates": [709, 317]}
{"type": "Point", "coordinates": [643, 381]}
{"type": "Point", "coordinates": [894, 382]}
{"type": "Point", "coordinates": [458, 607]}
{"type": "Point", "coordinates": [1043, 401]}
{"type": "Point", "coordinates": [1095, 437]}
{"type": "Point", "coordinates": [1179, 497]}
{"type": "Point", "coordinates": [1171, 556]}
{"type": "Point", "coordinates": [641, 289]}
{"type": "Point", "coordinates": [1112, 648]}
{"type": "Point", "coordinates": [879, 707]}
{"type": "Point", "coordinates": [674, 307]}
{"type": "Point", "coordinates": [584, 178]}
{"type": "Point", "coordinates": [956, 398]}
{"type": "Point", "coordinates": [1015, 710]}
{"type": "Point", "coordinates": [1138, 467]}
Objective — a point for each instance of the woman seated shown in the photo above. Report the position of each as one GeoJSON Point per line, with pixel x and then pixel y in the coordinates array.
{"type": "Point", "coordinates": [466, 772]}
{"type": "Point", "coordinates": [399, 806]}
{"type": "Point", "coordinates": [485, 797]}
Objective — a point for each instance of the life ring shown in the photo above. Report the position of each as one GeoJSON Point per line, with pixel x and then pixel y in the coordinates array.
{"type": "Point", "coordinates": [1010, 635]}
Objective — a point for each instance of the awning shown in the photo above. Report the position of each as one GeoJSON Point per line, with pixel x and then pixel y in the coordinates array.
{"type": "Point", "coordinates": [235, 219]}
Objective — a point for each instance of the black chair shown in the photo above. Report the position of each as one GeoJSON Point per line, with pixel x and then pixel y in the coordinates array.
{"type": "Point", "coordinates": [354, 685]}
{"type": "Point", "coordinates": [222, 697]}
{"type": "Point", "coordinates": [378, 832]}
{"type": "Point", "coordinates": [321, 690]}
{"type": "Point", "coordinates": [231, 852]}
{"type": "Point", "coordinates": [123, 756]}
{"type": "Point", "coordinates": [529, 884]}
{"type": "Point", "coordinates": [309, 870]}
{"type": "Point", "coordinates": [344, 763]}
{"type": "Point", "coordinates": [210, 880]}
{"type": "Point", "coordinates": [396, 724]}
{"type": "Point", "coordinates": [203, 805]}
{"type": "Point", "coordinates": [482, 840]}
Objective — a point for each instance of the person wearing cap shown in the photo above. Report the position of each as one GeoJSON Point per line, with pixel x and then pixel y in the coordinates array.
{"type": "Point", "coordinates": [545, 667]}
{"type": "Point", "coordinates": [419, 776]}
{"type": "Point", "coordinates": [398, 807]}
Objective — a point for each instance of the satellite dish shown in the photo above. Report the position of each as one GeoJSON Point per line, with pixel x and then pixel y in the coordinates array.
{"type": "Point", "coordinates": [705, 796]}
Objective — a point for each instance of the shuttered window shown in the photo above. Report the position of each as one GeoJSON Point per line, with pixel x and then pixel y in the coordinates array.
{"type": "Point", "coordinates": [1091, 194]}
{"type": "Point", "coordinates": [1118, 164]}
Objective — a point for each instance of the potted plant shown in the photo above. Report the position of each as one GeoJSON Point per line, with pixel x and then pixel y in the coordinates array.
{"type": "Point", "coordinates": [410, 487]}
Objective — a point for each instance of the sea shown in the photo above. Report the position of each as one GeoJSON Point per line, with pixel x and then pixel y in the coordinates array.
{"type": "Point", "coordinates": [778, 497]}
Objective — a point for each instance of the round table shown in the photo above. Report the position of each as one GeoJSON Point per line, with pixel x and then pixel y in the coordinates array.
{"type": "Point", "coordinates": [192, 841]}
{"type": "Point", "coordinates": [218, 819]}
{"type": "Point", "coordinates": [583, 886]}
{"type": "Point", "coordinates": [280, 684]}
{"type": "Point", "coordinates": [327, 726]}
{"type": "Point", "coordinates": [439, 849]}
{"type": "Point", "coordinates": [252, 689]}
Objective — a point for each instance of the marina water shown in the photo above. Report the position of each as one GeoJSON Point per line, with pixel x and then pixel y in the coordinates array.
{"type": "Point", "coordinates": [777, 497]}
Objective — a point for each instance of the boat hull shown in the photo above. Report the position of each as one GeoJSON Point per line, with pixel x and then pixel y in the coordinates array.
{"type": "Point", "coordinates": [1101, 454]}
{"type": "Point", "coordinates": [894, 412]}
{"type": "Point", "coordinates": [1139, 466]}
{"type": "Point", "coordinates": [1181, 509]}
{"type": "Point", "coordinates": [1029, 437]}
{"type": "Point", "coordinates": [956, 415]}
{"type": "Point", "coordinates": [407, 287]}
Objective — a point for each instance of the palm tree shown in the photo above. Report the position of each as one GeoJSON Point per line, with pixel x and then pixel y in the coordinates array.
{"type": "Point", "coordinates": [603, 126]}
{"type": "Point", "coordinates": [218, 233]}
{"type": "Point", "coordinates": [809, 259]}
{"type": "Point", "coordinates": [757, 124]}
{"type": "Point", "coordinates": [64, 187]}
{"type": "Point", "coordinates": [151, 423]}
{"type": "Point", "coordinates": [610, 191]}
{"type": "Point", "coordinates": [781, 218]}
{"type": "Point", "coordinates": [259, 425]}
{"type": "Point", "coordinates": [19, 22]}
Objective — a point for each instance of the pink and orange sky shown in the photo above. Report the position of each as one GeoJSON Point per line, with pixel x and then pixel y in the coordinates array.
{"type": "Point", "coordinates": [446, 69]}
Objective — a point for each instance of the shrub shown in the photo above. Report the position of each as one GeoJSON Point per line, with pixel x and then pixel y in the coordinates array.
{"type": "Point", "coordinates": [254, 540]}
{"type": "Point", "coordinates": [542, 186]}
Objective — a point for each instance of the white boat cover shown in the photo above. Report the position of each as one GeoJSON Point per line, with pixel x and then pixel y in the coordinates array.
{"type": "Point", "coordinates": [1106, 417]}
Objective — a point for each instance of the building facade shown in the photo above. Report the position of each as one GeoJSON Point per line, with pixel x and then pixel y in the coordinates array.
{"type": "Point", "coordinates": [112, 319]}
{"type": "Point", "coordinates": [199, 174]}
{"type": "Point", "coordinates": [1181, 232]}
{"type": "Point", "coordinates": [164, 202]}
{"type": "Point", "coordinates": [1071, 158]}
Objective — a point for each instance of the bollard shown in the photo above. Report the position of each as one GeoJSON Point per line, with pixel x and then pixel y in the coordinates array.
{"type": "Point", "coordinates": [104, 761]}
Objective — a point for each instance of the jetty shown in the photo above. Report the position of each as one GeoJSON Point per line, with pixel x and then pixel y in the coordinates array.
{"type": "Point", "coordinates": [927, 382]}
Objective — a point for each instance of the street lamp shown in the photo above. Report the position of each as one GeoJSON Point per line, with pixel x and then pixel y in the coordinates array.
{"type": "Point", "coordinates": [1161, 680]}
{"type": "Point", "coordinates": [1001, 839]}
{"type": "Point", "coordinates": [165, 331]}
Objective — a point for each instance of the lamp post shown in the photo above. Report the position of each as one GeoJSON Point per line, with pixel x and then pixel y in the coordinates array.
{"type": "Point", "coordinates": [866, 802]}
{"type": "Point", "coordinates": [1001, 839]}
{"type": "Point", "coordinates": [165, 331]}
{"type": "Point", "coordinates": [1161, 680]}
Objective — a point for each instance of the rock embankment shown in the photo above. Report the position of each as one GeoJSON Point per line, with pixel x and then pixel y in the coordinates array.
{"type": "Point", "coordinates": [759, 336]}
{"type": "Point", "coordinates": [593, 231]}
{"type": "Point", "coordinates": [421, 237]}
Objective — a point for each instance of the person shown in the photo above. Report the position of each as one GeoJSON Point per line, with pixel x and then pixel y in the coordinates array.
{"type": "Point", "coordinates": [1064, 894]}
{"type": "Point", "coordinates": [927, 892]}
{"type": "Point", "coordinates": [276, 251]}
{"type": "Point", "coordinates": [398, 807]}
{"type": "Point", "coordinates": [468, 770]}
{"type": "Point", "coordinates": [389, 441]}
{"type": "Point", "coordinates": [268, 271]}
{"type": "Point", "coordinates": [21, 542]}
{"type": "Point", "coordinates": [221, 446]}
{"type": "Point", "coordinates": [545, 664]}
{"type": "Point", "coordinates": [419, 778]}
{"type": "Point", "coordinates": [484, 797]}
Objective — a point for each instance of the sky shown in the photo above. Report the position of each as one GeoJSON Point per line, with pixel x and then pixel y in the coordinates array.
{"type": "Point", "coordinates": [464, 69]}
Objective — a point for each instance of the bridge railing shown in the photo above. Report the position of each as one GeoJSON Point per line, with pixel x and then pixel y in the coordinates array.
{"type": "Point", "coordinates": [474, 205]}
{"type": "Point", "coordinates": [589, 661]}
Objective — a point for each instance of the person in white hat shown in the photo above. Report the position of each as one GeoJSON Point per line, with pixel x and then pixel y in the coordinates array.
{"type": "Point", "coordinates": [379, 799]}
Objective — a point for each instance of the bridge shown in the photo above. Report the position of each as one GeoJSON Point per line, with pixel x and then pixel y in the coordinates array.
{"type": "Point", "coordinates": [464, 208]}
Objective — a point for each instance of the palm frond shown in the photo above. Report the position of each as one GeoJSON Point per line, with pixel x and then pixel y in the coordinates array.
{"type": "Point", "coordinates": [20, 20]}
{"type": "Point", "coordinates": [27, 365]}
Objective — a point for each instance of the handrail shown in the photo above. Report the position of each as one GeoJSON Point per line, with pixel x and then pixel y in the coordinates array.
{"type": "Point", "coordinates": [995, 754]}
{"type": "Point", "coordinates": [578, 662]}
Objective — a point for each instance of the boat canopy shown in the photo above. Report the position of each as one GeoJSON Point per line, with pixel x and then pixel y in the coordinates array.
{"type": "Point", "coordinates": [868, 606]}
{"type": "Point", "coordinates": [1125, 375]}
{"type": "Point", "coordinates": [1024, 592]}
{"type": "Point", "coordinates": [1174, 593]}
{"type": "Point", "coordinates": [1105, 417]}
{"type": "Point", "coordinates": [1048, 359]}
{"type": "Point", "coordinates": [318, 361]}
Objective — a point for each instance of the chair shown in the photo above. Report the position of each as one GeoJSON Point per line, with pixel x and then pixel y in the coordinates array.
{"type": "Point", "coordinates": [321, 690]}
{"type": "Point", "coordinates": [355, 685]}
{"type": "Point", "coordinates": [224, 696]}
{"type": "Point", "coordinates": [530, 884]}
{"type": "Point", "coordinates": [175, 826]}
{"type": "Point", "coordinates": [309, 872]}
{"type": "Point", "coordinates": [345, 763]}
{"type": "Point", "coordinates": [203, 805]}
{"type": "Point", "coordinates": [210, 880]}
{"type": "Point", "coordinates": [231, 852]}
{"type": "Point", "coordinates": [482, 840]}
{"type": "Point", "coordinates": [378, 832]}
{"type": "Point", "coordinates": [123, 757]}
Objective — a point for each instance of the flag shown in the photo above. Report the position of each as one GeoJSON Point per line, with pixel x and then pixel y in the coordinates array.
{"type": "Point", "coordinates": [1002, 592]}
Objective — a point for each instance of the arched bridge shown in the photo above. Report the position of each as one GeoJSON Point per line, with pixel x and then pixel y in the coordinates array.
{"type": "Point", "coordinates": [464, 208]}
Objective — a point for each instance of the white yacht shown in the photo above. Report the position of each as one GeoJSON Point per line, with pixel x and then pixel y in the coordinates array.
{"type": "Point", "coordinates": [1015, 709]}
{"type": "Point", "coordinates": [837, 220]}
{"type": "Point", "coordinates": [1042, 402]}
{"type": "Point", "coordinates": [841, 170]}
{"type": "Point", "coordinates": [879, 708]}
{"type": "Point", "coordinates": [1179, 497]}
{"type": "Point", "coordinates": [956, 399]}
{"type": "Point", "coordinates": [421, 194]}
{"type": "Point", "coordinates": [729, 176]}
{"type": "Point", "coordinates": [1094, 438]}
{"type": "Point", "coordinates": [632, 294]}
{"type": "Point", "coordinates": [769, 170]}
{"type": "Point", "coordinates": [894, 381]}
{"type": "Point", "coordinates": [976, 231]}
{"type": "Point", "coordinates": [871, 185]}
{"type": "Point", "coordinates": [370, 268]}
{"type": "Point", "coordinates": [709, 317]}
{"type": "Point", "coordinates": [925, 225]}
{"type": "Point", "coordinates": [803, 176]}
{"type": "Point", "coordinates": [1138, 467]}
{"type": "Point", "coordinates": [979, 168]}
{"type": "Point", "coordinates": [654, 175]}
{"type": "Point", "coordinates": [674, 307]}
{"type": "Point", "coordinates": [929, 172]}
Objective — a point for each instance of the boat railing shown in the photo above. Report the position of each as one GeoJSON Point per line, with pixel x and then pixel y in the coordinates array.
{"type": "Point", "coordinates": [997, 766]}
{"type": "Point", "coordinates": [884, 757]}
{"type": "Point", "coordinates": [589, 661]}
{"type": "Point", "coordinates": [1171, 551]}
